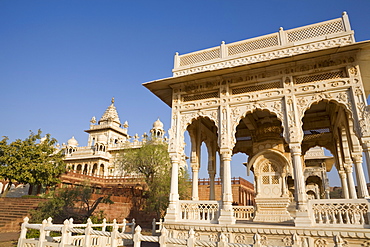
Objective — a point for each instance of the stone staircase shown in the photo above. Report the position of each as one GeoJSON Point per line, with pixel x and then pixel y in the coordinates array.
{"type": "Point", "coordinates": [13, 210]}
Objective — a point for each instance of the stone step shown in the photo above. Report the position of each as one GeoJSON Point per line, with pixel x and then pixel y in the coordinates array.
{"type": "Point", "coordinates": [13, 211]}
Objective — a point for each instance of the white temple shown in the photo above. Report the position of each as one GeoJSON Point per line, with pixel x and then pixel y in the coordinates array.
{"type": "Point", "coordinates": [107, 139]}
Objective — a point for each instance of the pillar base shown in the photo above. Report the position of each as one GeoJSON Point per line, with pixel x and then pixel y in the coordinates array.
{"type": "Point", "coordinates": [302, 219]}
{"type": "Point", "coordinates": [171, 214]}
{"type": "Point", "coordinates": [272, 210]}
{"type": "Point", "coordinates": [226, 217]}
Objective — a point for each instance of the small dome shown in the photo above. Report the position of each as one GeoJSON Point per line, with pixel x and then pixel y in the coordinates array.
{"type": "Point", "coordinates": [72, 142]}
{"type": "Point", "coordinates": [158, 124]}
{"type": "Point", "coordinates": [102, 139]}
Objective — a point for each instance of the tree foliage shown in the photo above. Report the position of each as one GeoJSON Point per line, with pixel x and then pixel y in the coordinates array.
{"type": "Point", "coordinates": [34, 160]}
{"type": "Point", "coordinates": [64, 203]}
{"type": "Point", "coordinates": [152, 161]}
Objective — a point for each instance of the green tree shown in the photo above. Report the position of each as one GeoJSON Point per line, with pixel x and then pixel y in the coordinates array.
{"type": "Point", "coordinates": [34, 160]}
{"type": "Point", "coordinates": [152, 161]}
{"type": "Point", "coordinates": [64, 203]}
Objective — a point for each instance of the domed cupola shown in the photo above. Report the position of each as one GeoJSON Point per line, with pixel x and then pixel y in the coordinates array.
{"type": "Point", "coordinates": [157, 131]}
{"type": "Point", "coordinates": [72, 142]}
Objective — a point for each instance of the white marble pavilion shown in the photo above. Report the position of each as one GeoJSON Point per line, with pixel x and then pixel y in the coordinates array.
{"type": "Point", "coordinates": [274, 98]}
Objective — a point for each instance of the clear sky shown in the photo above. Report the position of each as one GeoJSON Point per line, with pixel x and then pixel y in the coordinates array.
{"type": "Point", "coordinates": [62, 61]}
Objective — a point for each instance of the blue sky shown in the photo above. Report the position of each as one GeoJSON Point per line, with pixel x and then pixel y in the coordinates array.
{"type": "Point", "coordinates": [62, 61]}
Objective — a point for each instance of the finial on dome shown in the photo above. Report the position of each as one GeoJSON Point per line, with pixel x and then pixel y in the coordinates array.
{"type": "Point", "coordinates": [112, 100]}
{"type": "Point", "coordinates": [93, 120]}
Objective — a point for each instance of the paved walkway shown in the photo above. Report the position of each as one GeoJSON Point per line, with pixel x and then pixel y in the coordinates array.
{"type": "Point", "coordinates": [8, 236]}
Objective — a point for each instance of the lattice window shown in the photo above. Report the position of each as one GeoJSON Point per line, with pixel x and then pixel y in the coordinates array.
{"type": "Point", "coordinates": [258, 87]}
{"type": "Point", "coordinates": [265, 180]}
{"type": "Point", "coordinates": [198, 57]}
{"type": "Point", "coordinates": [274, 179]}
{"type": "Point", "coordinates": [266, 168]}
{"type": "Point", "coordinates": [253, 45]}
{"type": "Point", "coordinates": [315, 31]}
{"type": "Point", "coordinates": [187, 98]}
{"type": "Point", "coordinates": [319, 77]}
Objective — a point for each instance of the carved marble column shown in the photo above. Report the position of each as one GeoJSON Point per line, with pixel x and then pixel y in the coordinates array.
{"type": "Point", "coordinates": [351, 184]}
{"type": "Point", "coordinates": [343, 180]}
{"type": "Point", "coordinates": [195, 178]}
{"type": "Point", "coordinates": [226, 213]}
{"type": "Point", "coordinates": [302, 218]}
{"type": "Point", "coordinates": [366, 150]}
{"type": "Point", "coordinates": [212, 194]}
{"type": "Point", "coordinates": [299, 183]}
{"type": "Point", "coordinates": [211, 171]}
{"type": "Point", "coordinates": [171, 215]}
{"type": "Point", "coordinates": [360, 176]}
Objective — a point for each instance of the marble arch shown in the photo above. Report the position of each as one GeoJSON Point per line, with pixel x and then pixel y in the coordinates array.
{"type": "Point", "coordinates": [239, 115]}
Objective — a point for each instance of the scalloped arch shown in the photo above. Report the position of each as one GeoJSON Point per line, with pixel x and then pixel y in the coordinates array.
{"type": "Point", "coordinates": [239, 117]}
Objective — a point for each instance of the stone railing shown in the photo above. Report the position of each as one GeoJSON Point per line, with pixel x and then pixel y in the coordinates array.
{"type": "Point", "coordinates": [203, 211]}
{"type": "Point", "coordinates": [69, 234]}
{"type": "Point", "coordinates": [243, 212]}
{"type": "Point", "coordinates": [208, 211]}
{"type": "Point", "coordinates": [323, 35]}
{"type": "Point", "coordinates": [339, 212]}
{"type": "Point", "coordinates": [90, 237]}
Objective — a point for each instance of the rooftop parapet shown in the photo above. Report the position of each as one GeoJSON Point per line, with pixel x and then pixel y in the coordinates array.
{"type": "Point", "coordinates": [285, 43]}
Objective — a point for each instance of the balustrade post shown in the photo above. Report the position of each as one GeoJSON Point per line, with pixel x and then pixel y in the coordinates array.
{"type": "Point", "coordinates": [70, 225]}
{"type": "Point", "coordinates": [104, 225]}
{"type": "Point", "coordinates": [137, 237]}
{"type": "Point", "coordinates": [50, 223]}
{"type": "Point", "coordinates": [113, 235]}
{"type": "Point", "coordinates": [88, 229]}
{"type": "Point", "coordinates": [282, 36]}
{"type": "Point", "coordinates": [123, 226]}
{"type": "Point", "coordinates": [42, 233]}
{"type": "Point", "coordinates": [163, 237]}
{"type": "Point", "coordinates": [176, 62]}
{"type": "Point", "coordinates": [223, 50]}
{"type": "Point", "coordinates": [22, 235]}
{"type": "Point", "coordinates": [346, 24]}
{"type": "Point", "coordinates": [191, 240]}
{"type": "Point", "coordinates": [65, 237]}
